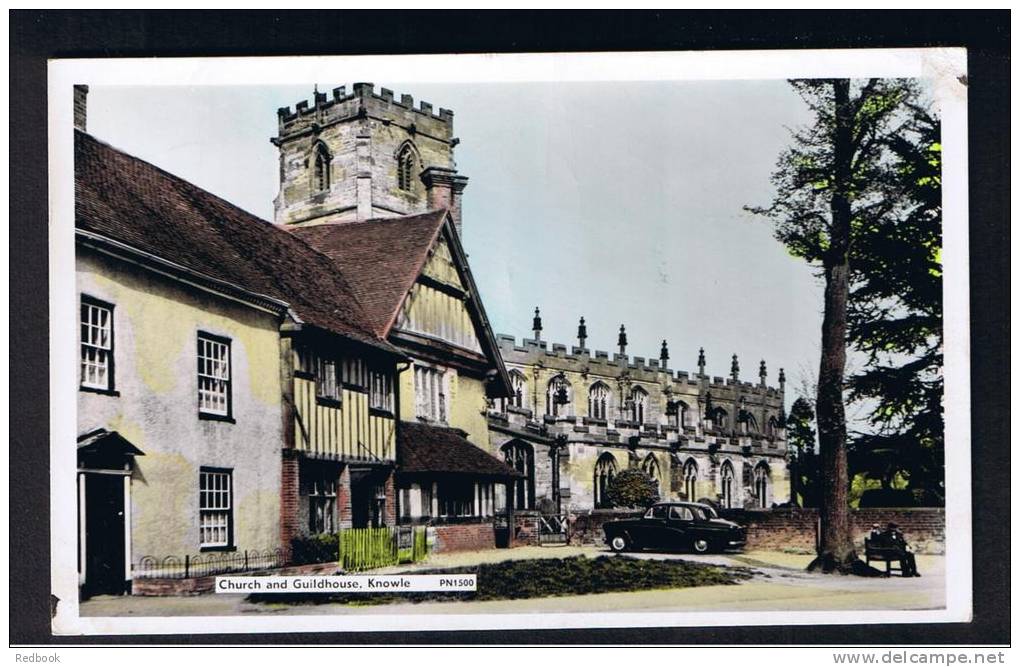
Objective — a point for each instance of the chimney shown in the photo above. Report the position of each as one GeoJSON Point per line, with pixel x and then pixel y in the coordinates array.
{"type": "Point", "coordinates": [81, 94]}
{"type": "Point", "coordinates": [443, 189]}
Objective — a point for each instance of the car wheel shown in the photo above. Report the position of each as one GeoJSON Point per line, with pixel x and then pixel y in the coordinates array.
{"type": "Point", "coordinates": [701, 546]}
{"type": "Point", "coordinates": [619, 543]}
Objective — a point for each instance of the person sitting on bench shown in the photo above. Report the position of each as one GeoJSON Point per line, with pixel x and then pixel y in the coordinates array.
{"type": "Point", "coordinates": [893, 538]}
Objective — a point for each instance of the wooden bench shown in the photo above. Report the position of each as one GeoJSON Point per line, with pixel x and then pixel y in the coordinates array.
{"type": "Point", "coordinates": [883, 553]}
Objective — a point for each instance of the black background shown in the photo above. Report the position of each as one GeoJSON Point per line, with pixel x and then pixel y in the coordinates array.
{"type": "Point", "coordinates": [39, 35]}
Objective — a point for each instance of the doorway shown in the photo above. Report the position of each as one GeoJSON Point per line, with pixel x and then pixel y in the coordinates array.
{"type": "Point", "coordinates": [104, 535]}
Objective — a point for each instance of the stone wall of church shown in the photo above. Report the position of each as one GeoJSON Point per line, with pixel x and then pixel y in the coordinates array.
{"type": "Point", "coordinates": [669, 435]}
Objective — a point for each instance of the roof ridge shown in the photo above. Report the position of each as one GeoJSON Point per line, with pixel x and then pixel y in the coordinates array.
{"type": "Point", "coordinates": [170, 175]}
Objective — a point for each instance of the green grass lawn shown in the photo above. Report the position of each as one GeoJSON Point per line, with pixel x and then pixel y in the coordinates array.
{"type": "Point", "coordinates": [546, 577]}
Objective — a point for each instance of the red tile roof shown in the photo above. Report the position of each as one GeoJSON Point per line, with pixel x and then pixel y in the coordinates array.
{"type": "Point", "coordinates": [381, 258]}
{"type": "Point", "coordinates": [423, 448]}
{"type": "Point", "coordinates": [124, 198]}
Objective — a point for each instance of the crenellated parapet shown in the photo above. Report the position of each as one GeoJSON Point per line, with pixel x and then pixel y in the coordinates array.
{"type": "Point", "coordinates": [364, 102]}
{"type": "Point", "coordinates": [576, 359]}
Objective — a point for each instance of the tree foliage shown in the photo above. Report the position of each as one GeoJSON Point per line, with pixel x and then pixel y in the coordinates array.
{"type": "Point", "coordinates": [895, 320]}
{"type": "Point", "coordinates": [800, 438]}
{"type": "Point", "coordinates": [832, 183]}
{"type": "Point", "coordinates": [632, 488]}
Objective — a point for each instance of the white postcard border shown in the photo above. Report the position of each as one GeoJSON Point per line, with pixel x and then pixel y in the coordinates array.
{"type": "Point", "coordinates": [946, 67]}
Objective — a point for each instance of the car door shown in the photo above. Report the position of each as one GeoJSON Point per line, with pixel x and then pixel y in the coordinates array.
{"type": "Point", "coordinates": [652, 528]}
{"type": "Point", "coordinates": [678, 526]}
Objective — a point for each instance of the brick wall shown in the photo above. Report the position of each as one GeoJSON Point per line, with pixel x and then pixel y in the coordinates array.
{"type": "Point", "coordinates": [794, 528]}
{"type": "Point", "coordinates": [390, 508]}
{"type": "Point", "coordinates": [289, 502]}
{"type": "Point", "coordinates": [343, 498]}
{"type": "Point", "coordinates": [464, 537]}
{"type": "Point", "coordinates": [780, 529]}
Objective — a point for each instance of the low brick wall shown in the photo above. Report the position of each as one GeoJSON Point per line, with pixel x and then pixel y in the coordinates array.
{"type": "Point", "coordinates": [795, 528]}
{"type": "Point", "coordinates": [777, 529]}
{"type": "Point", "coordinates": [202, 585]}
{"type": "Point", "coordinates": [587, 528]}
{"type": "Point", "coordinates": [464, 537]}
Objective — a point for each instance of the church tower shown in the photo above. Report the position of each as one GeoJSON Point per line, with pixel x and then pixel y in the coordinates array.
{"type": "Point", "coordinates": [361, 155]}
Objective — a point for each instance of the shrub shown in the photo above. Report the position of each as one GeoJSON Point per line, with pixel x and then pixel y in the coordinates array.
{"type": "Point", "coordinates": [322, 548]}
{"type": "Point", "coordinates": [632, 488]}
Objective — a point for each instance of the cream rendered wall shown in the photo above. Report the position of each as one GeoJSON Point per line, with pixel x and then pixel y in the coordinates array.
{"type": "Point", "coordinates": [156, 324]}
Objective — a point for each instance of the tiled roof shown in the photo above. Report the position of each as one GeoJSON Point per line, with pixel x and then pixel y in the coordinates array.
{"type": "Point", "coordinates": [423, 448]}
{"type": "Point", "coordinates": [126, 199]}
{"type": "Point", "coordinates": [381, 258]}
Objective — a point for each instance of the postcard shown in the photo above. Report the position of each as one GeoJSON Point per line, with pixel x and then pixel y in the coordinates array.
{"type": "Point", "coordinates": [509, 341]}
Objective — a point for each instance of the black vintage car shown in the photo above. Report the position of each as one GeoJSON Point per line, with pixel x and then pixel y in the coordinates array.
{"type": "Point", "coordinates": [667, 526]}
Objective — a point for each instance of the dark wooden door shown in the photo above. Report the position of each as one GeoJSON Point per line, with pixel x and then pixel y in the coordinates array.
{"type": "Point", "coordinates": [104, 534]}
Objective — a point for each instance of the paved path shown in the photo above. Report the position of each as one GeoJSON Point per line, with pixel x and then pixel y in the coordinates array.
{"type": "Point", "coordinates": [780, 584]}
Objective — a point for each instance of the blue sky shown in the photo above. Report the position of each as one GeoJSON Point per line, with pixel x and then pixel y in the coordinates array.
{"type": "Point", "coordinates": [618, 201]}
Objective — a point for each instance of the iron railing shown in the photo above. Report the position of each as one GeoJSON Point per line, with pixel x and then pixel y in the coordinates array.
{"type": "Point", "coordinates": [207, 564]}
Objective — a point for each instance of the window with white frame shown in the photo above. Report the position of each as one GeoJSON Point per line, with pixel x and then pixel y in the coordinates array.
{"type": "Point", "coordinates": [213, 375]}
{"type": "Point", "coordinates": [96, 344]}
{"type": "Point", "coordinates": [326, 380]}
{"type": "Point", "coordinates": [380, 391]}
{"type": "Point", "coordinates": [322, 505]}
{"type": "Point", "coordinates": [430, 393]}
{"type": "Point", "coordinates": [215, 508]}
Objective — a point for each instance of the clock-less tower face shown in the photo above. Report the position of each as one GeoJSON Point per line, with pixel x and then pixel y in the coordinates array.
{"type": "Point", "coordinates": [361, 155]}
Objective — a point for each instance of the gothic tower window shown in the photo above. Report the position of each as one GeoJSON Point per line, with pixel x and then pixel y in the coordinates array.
{"type": "Point", "coordinates": [605, 471]}
{"type": "Point", "coordinates": [598, 400]}
{"type": "Point", "coordinates": [761, 484]}
{"type": "Point", "coordinates": [727, 485]}
{"type": "Point", "coordinates": [690, 479]}
{"type": "Point", "coordinates": [321, 168]}
{"type": "Point", "coordinates": [405, 168]}
{"type": "Point", "coordinates": [521, 457]}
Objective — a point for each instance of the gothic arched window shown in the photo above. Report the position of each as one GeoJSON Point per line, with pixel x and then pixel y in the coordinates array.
{"type": "Point", "coordinates": [521, 457]}
{"type": "Point", "coordinates": [690, 479]}
{"type": "Point", "coordinates": [680, 416]}
{"type": "Point", "coordinates": [726, 479]}
{"type": "Point", "coordinates": [320, 168]}
{"type": "Point", "coordinates": [639, 402]}
{"type": "Point", "coordinates": [598, 401]}
{"type": "Point", "coordinates": [405, 168]}
{"type": "Point", "coordinates": [558, 397]}
{"type": "Point", "coordinates": [651, 468]}
{"type": "Point", "coordinates": [761, 484]}
{"type": "Point", "coordinates": [771, 427]}
{"type": "Point", "coordinates": [605, 471]}
{"type": "Point", "coordinates": [719, 419]}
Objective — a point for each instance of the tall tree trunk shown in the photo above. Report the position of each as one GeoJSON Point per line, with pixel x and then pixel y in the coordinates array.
{"type": "Point", "coordinates": [836, 552]}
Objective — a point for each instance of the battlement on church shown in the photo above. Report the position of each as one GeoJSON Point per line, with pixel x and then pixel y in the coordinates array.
{"type": "Point", "coordinates": [557, 356]}
{"type": "Point", "coordinates": [363, 101]}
